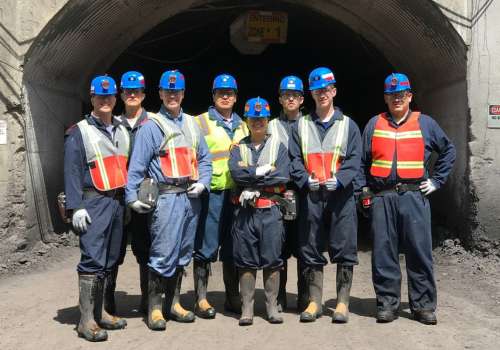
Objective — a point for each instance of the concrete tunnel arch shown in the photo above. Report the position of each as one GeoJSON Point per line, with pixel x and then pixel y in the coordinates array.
{"type": "Point", "coordinates": [85, 37]}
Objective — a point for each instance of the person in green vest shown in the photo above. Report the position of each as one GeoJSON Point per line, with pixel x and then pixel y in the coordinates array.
{"type": "Point", "coordinates": [291, 98]}
{"type": "Point", "coordinates": [222, 128]}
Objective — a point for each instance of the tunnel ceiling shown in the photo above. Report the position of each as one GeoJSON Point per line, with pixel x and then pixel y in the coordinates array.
{"type": "Point", "coordinates": [85, 37]}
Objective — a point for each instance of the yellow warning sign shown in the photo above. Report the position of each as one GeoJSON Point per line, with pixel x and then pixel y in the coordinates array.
{"type": "Point", "coordinates": [268, 27]}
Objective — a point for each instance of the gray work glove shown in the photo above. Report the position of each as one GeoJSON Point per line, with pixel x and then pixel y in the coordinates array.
{"type": "Point", "coordinates": [195, 190]}
{"type": "Point", "coordinates": [80, 220]}
{"type": "Point", "coordinates": [427, 187]}
{"type": "Point", "coordinates": [331, 184]}
{"type": "Point", "coordinates": [140, 207]}
{"type": "Point", "coordinates": [247, 196]}
{"type": "Point", "coordinates": [313, 184]}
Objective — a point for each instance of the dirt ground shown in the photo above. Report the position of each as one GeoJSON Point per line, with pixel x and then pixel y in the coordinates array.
{"type": "Point", "coordinates": [39, 311]}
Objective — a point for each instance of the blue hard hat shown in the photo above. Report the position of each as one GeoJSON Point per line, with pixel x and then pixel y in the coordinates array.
{"type": "Point", "coordinates": [172, 80]}
{"type": "Point", "coordinates": [257, 107]}
{"type": "Point", "coordinates": [396, 82]}
{"type": "Point", "coordinates": [224, 81]}
{"type": "Point", "coordinates": [320, 78]}
{"type": "Point", "coordinates": [292, 83]}
{"type": "Point", "coordinates": [103, 85]}
{"type": "Point", "coordinates": [132, 80]}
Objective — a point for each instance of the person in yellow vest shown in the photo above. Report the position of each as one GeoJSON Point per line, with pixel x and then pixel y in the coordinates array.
{"type": "Point", "coordinates": [95, 173]}
{"type": "Point", "coordinates": [170, 150]}
{"type": "Point", "coordinates": [291, 98]}
{"type": "Point", "coordinates": [325, 149]}
{"type": "Point", "coordinates": [396, 181]}
{"type": "Point", "coordinates": [221, 128]}
{"type": "Point", "coordinates": [259, 164]}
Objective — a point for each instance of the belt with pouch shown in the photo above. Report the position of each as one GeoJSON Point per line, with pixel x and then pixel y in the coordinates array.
{"type": "Point", "coordinates": [172, 188]}
{"type": "Point", "coordinates": [399, 188]}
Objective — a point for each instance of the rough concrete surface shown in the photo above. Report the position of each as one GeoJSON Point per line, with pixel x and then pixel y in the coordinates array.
{"type": "Point", "coordinates": [39, 310]}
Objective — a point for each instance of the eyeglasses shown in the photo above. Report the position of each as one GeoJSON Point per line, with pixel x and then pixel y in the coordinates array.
{"type": "Point", "coordinates": [291, 95]}
{"type": "Point", "coordinates": [401, 95]}
{"type": "Point", "coordinates": [224, 93]}
{"type": "Point", "coordinates": [325, 91]}
{"type": "Point", "coordinates": [132, 91]}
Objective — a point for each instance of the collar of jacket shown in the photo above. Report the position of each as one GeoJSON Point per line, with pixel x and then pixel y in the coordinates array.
{"type": "Point", "coordinates": [214, 115]}
{"type": "Point", "coordinates": [163, 111]}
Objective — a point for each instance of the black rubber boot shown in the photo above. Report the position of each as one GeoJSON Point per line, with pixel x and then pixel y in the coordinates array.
{"type": "Point", "coordinates": [247, 290]}
{"type": "Point", "coordinates": [156, 321]}
{"type": "Point", "coordinates": [271, 288]}
{"type": "Point", "coordinates": [143, 277]}
{"type": "Point", "coordinates": [315, 287]}
{"type": "Point", "coordinates": [230, 277]}
{"type": "Point", "coordinates": [282, 302]}
{"type": "Point", "coordinates": [103, 318]}
{"type": "Point", "coordinates": [87, 327]}
{"type": "Point", "coordinates": [427, 317]}
{"type": "Point", "coordinates": [109, 291]}
{"type": "Point", "coordinates": [302, 289]}
{"type": "Point", "coordinates": [202, 308]}
{"type": "Point", "coordinates": [386, 316]}
{"type": "Point", "coordinates": [344, 283]}
{"type": "Point", "coordinates": [175, 311]}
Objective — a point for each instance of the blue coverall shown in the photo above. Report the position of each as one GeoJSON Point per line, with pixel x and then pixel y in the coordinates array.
{"type": "Point", "coordinates": [258, 233]}
{"type": "Point", "coordinates": [174, 219]}
{"type": "Point", "coordinates": [137, 227]}
{"type": "Point", "coordinates": [327, 218]}
{"type": "Point", "coordinates": [100, 244]}
{"type": "Point", "coordinates": [214, 225]}
{"type": "Point", "coordinates": [404, 220]}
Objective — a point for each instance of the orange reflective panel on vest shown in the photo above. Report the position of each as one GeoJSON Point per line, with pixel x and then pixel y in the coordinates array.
{"type": "Point", "coordinates": [406, 142]}
{"type": "Point", "coordinates": [107, 160]}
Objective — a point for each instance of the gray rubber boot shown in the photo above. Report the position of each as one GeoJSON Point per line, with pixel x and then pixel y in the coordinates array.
{"type": "Point", "coordinates": [173, 306]}
{"type": "Point", "coordinates": [271, 289]}
{"type": "Point", "coordinates": [344, 283]}
{"type": "Point", "coordinates": [143, 278]}
{"type": "Point", "coordinates": [202, 308]}
{"type": "Point", "coordinates": [282, 302]}
{"type": "Point", "coordinates": [87, 327]}
{"type": "Point", "coordinates": [247, 290]}
{"type": "Point", "coordinates": [103, 318]}
{"type": "Point", "coordinates": [230, 277]}
{"type": "Point", "coordinates": [109, 291]}
{"type": "Point", "coordinates": [315, 287]}
{"type": "Point", "coordinates": [302, 288]}
{"type": "Point", "coordinates": [156, 321]}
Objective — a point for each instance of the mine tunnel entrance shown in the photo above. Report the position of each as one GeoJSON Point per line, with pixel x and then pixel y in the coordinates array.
{"type": "Point", "coordinates": [361, 43]}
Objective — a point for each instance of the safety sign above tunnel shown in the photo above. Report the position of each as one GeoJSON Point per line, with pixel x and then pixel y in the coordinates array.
{"type": "Point", "coordinates": [494, 117]}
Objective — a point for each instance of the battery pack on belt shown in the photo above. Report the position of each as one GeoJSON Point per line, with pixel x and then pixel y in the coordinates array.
{"type": "Point", "coordinates": [399, 188]}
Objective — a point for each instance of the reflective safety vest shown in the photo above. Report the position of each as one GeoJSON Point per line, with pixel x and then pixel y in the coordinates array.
{"type": "Point", "coordinates": [268, 155]}
{"type": "Point", "coordinates": [219, 144]}
{"type": "Point", "coordinates": [406, 142]}
{"type": "Point", "coordinates": [178, 151]}
{"type": "Point", "coordinates": [323, 158]}
{"type": "Point", "coordinates": [106, 159]}
{"type": "Point", "coordinates": [277, 129]}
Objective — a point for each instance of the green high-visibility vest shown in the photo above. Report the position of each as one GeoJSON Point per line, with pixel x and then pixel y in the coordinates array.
{"type": "Point", "coordinates": [219, 144]}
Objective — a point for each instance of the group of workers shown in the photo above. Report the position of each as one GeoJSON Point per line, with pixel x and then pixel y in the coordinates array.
{"type": "Point", "coordinates": [250, 193]}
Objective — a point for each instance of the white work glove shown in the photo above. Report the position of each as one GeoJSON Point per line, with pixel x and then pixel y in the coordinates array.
{"type": "Point", "coordinates": [263, 170]}
{"type": "Point", "coordinates": [313, 184]}
{"type": "Point", "coordinates": [140, 207]}
{"type": "Point", "coordinates": [427, 187]}
{"type": "Point", "coordinates": [331, 184]}
{"type": "Point", "coordinates": [247, 196]}
{"type": "Point", "coordinates": [80, 220]}
{"type": "Point", "coordinates": [195, 190]}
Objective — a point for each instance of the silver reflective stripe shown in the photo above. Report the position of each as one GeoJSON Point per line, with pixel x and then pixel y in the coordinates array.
{"type": "Point", "coordinates": [172, 132]}
{"type": "Point", "coordinates": [275, 128]}
{"type": "Point", "coordinates": [268, 155]}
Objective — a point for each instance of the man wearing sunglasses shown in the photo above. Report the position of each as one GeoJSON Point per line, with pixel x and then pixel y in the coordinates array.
{"type": "Point", "coordinates": [397, 147]}
{"type": "Point", "coordinates": [326, 151]}
{"type": "Point", "coordinates": [291, 98]}
{"type": "Point", "coordinates": [134, 116]}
